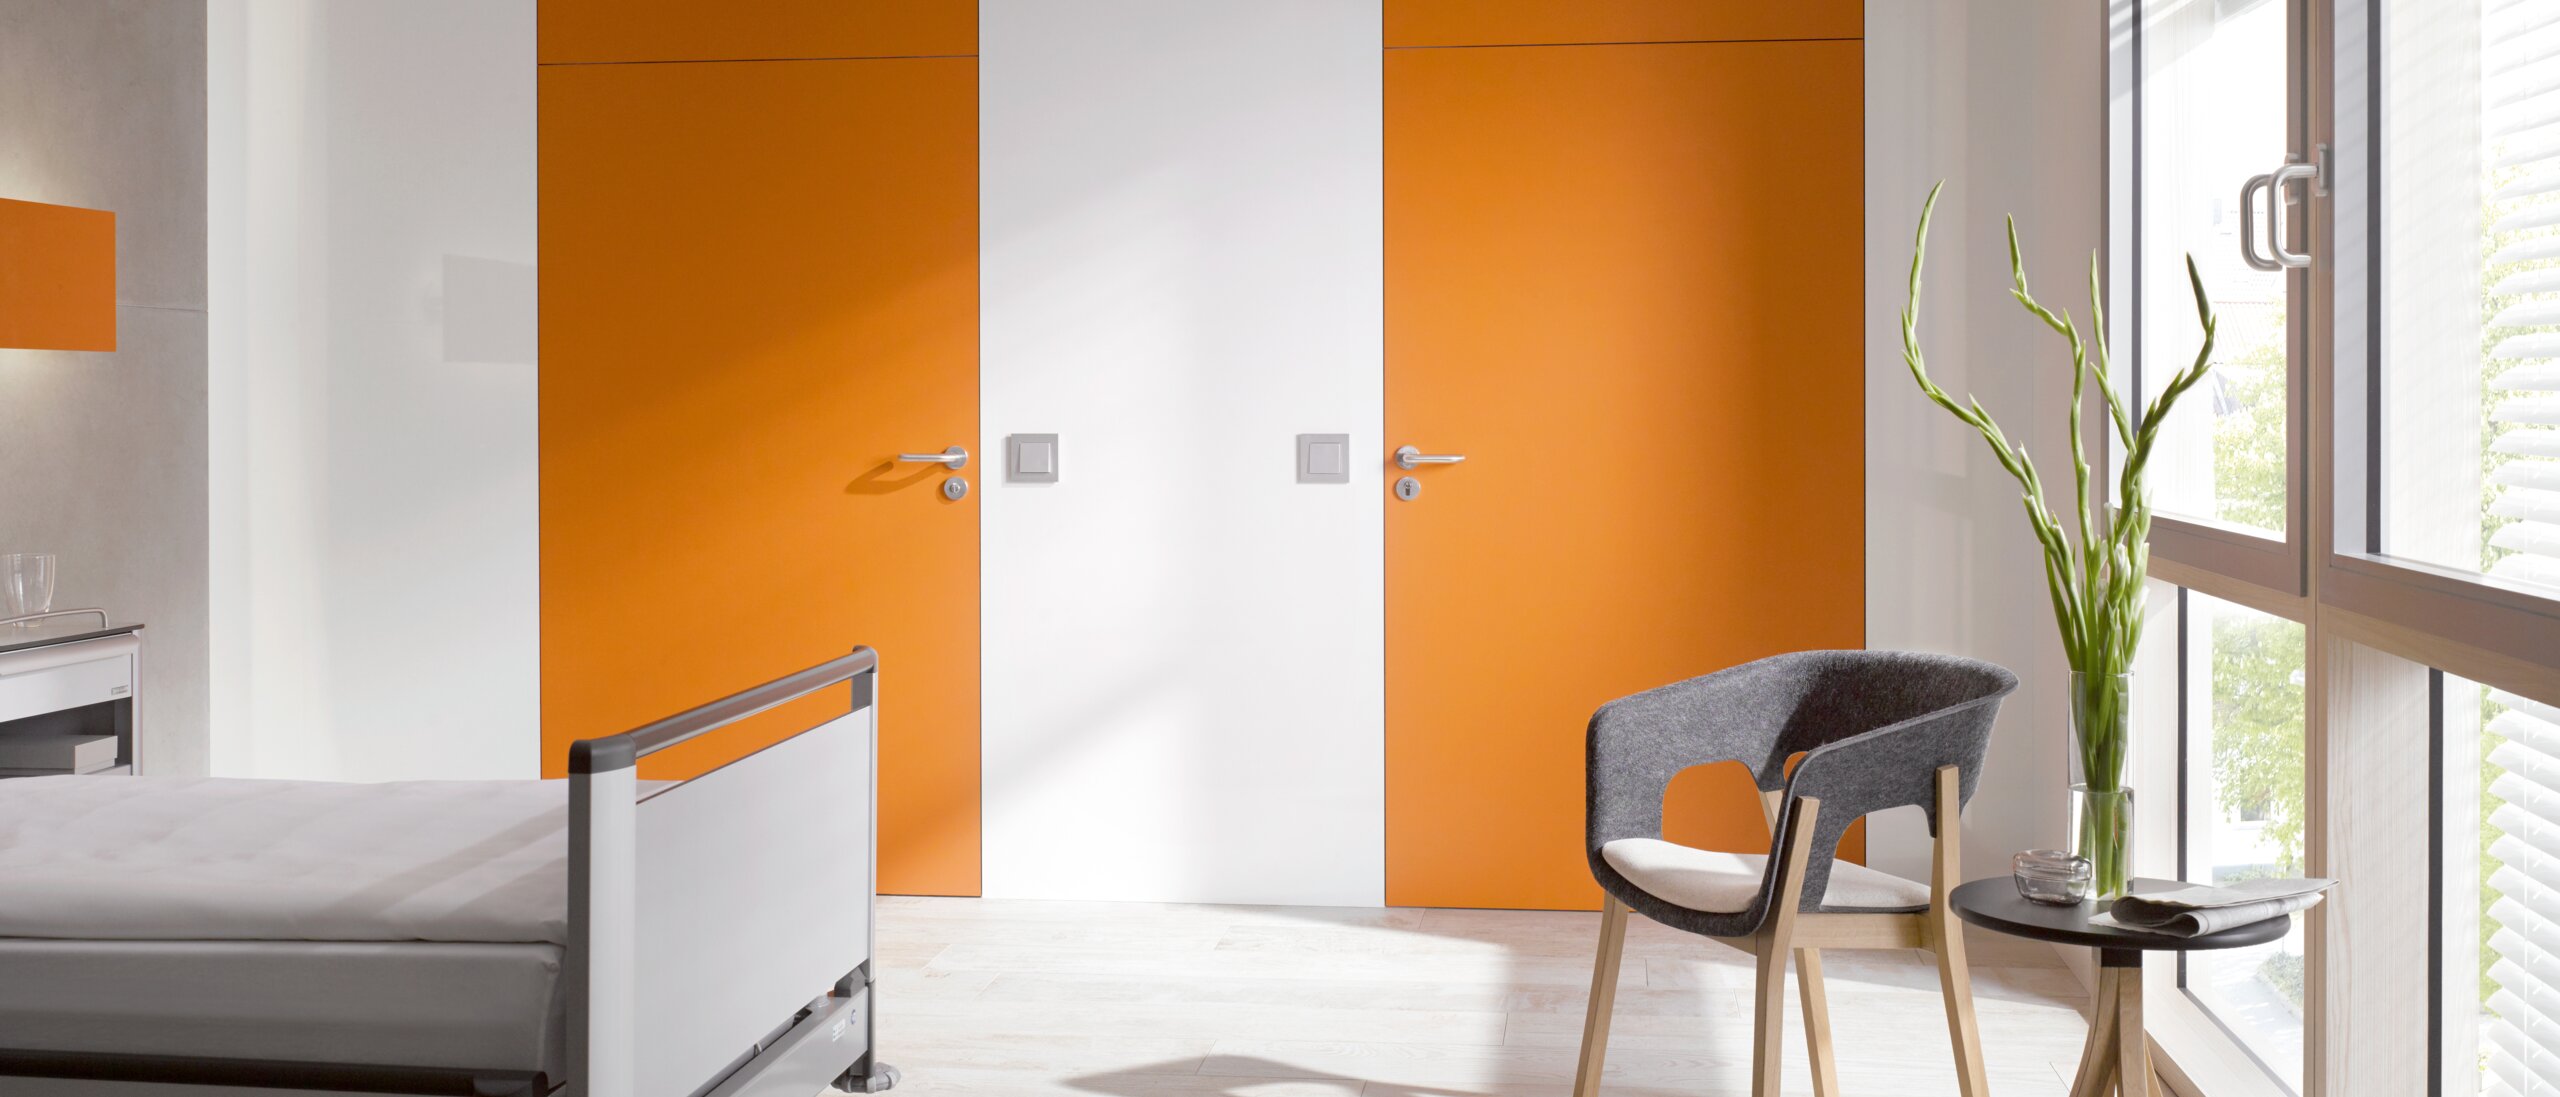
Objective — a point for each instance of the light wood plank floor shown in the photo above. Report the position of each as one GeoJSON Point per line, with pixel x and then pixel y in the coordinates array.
{"type": "Point", "coordinates": [997, 997]}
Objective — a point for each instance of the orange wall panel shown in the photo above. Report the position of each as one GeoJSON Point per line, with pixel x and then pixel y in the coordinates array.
{"type": "Point", "coordinates": [1625, 281]}
{"type": "Point", "coordinates": [759, 283]}
{"type": "Point", "coordinates": [57, 277]}
{"type": "Point", "coordinates": [592, 31]}
{"type": "Point", "coordinates": [1551, 22]}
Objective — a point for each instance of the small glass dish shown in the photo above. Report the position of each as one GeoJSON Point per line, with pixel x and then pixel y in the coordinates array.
{"type": "Point", "coordinates": [2052, 877]}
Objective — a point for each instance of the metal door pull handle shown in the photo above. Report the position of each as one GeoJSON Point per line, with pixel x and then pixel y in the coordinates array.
{"type": "Point", "coordinates": [2250, 195]}
{"type": "Point", "coordinates": [953, 458]}
{"type": "Point", "coordinates": [2270, 189]}
{"type": "Point", "coordinates": [1409, 457]}
{"type": "Point", "coordinates": [2276, 182]}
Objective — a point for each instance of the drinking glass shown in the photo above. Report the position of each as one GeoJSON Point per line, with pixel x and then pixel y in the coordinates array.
{"type": "Point", "coordinates": [26, 583]}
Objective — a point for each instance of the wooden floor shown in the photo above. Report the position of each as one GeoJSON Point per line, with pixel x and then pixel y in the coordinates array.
{"type": "Point", "coordinates": [1152, 1000]}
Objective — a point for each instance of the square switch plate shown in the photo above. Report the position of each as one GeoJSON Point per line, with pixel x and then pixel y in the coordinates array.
{"type": "Point", "coordinates": [1324, 458]}
{"type": "Point", "coordinates": [1031, 458]}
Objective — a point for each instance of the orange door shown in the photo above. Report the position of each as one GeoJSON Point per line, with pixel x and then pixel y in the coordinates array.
{"type": "Point", "coordinates": [1625, 282]}
{"type": "Point", "coordinates": [759, 284]}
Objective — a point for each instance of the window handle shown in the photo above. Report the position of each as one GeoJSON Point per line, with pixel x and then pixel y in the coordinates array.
{"type": "Point", "coordinates": [2249, 198]}
{"type": "Point", "coordinates": [2290, 173]}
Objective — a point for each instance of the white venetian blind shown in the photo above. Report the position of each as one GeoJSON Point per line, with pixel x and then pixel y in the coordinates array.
{"type": "Point", "coordinates": [2520, 128]}
{"type": "Point", "coordinates": [2520, 63]}
{"type": "Point", "coordinates": [2520, 1031]}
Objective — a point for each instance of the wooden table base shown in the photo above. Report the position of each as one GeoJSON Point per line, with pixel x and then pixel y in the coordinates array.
{"type": "Point", "coordinates": [2117, 1059]}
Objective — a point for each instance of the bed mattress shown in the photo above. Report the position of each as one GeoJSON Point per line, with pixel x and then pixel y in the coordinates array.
{"type": "Point", "coordinates": [415, 923]}
{"type": "Point", "coordinates": [191, 858]}
{"type": "Point", "coordinates": [426, 1004]}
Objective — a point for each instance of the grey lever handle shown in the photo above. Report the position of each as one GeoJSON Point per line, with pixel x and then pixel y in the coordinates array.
{"type": "Point", "coordinates": [1409, 457]}
{"type": "Point", "coordinates": [953, 458]}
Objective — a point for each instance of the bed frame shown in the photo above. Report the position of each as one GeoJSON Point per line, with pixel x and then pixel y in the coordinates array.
{"type": "Point", "coordinates": [720, 930]}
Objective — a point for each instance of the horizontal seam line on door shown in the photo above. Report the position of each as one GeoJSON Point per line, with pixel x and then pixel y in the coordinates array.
{"type": "Point", "coordinates": [1636, 42]}
{"type": "Point", "coordinates": [763, 60]}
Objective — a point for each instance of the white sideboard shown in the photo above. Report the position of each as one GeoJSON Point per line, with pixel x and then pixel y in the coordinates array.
{"type": "Point", "coordinates": [73, 673]}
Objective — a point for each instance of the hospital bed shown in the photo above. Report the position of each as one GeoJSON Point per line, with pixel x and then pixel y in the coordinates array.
{"type": "Point", "coordinates": [594, 937]}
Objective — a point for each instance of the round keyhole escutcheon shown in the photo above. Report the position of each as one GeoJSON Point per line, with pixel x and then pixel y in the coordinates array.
{"type": "Point", "coordinates": [955, 488]}
{"type": "Point", "coordinates": [1408, 488]}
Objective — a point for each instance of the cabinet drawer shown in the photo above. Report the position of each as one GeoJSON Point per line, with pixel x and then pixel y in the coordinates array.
{"type": "Point", "coordinates": [53, 689]}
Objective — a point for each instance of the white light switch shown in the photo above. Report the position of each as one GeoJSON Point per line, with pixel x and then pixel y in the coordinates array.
{"type": "Point", "coordinates": [1031, 458]}
{"type": "Point", "coordinates": [1324, 458]}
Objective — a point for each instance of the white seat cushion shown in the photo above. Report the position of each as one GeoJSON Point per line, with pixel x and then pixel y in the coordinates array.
{"type": "Point", "coordinates": [1724, 883]}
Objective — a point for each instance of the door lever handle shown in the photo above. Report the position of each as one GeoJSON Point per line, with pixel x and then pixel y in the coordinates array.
{"type": "Point", "coordinates": [953, 458]}
{"type": "Point", "coordinates": [1409, 457]}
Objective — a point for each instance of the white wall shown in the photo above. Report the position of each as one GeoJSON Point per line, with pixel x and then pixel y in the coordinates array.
{"type": "Point", "coordinates": [1181, 212]}
{"type": "Point", "coordinates": [102, 454]}
{"type": "Point", "coordinates": [2002, 99]}
{"type": "Point", "coordinates": [372, 440]}
{"type": "Point", "coordinates": [1173, 162]}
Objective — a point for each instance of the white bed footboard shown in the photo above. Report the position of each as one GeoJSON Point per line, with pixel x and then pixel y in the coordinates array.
{"type": "Point", "coordinates": [721, 928]}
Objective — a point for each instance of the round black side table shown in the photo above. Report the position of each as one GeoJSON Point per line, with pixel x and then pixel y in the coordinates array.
{"type": "Point", "coordinates": [2118, 1054]}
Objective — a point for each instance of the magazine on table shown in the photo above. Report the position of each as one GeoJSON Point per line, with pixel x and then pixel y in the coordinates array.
{"type": "Point", "coordinates": [2198, 909]}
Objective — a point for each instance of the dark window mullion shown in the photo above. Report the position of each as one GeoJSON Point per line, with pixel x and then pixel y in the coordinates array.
{"type": "Point", "coordinates": [2435, 882]}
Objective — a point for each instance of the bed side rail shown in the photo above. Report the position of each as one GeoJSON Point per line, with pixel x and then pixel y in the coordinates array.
{"type": "Point", "coordinates": [612, 752]}
{"type": "Point", "coordinates": [741, 893]}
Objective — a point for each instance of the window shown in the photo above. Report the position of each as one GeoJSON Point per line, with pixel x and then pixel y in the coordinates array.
{"type": "Point", "coordinates": [2468, 469]}
{"type": "Point", "coordinates": [2214, 109]}
{"type": "Point", "coordinates": [2368, 487]}
{"type": "Point", "coordinates": [2242, 812]}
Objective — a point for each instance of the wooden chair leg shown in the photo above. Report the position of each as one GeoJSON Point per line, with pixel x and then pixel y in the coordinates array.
{"type": "Point", "coordinates": [1768, 1016]}
{"type": "Point", "coordinates": [1604, 997]}
{"type": "Point", "coordinates": [1955, 982]}
{"type": "Point", "coordinates": [1817, 1022]}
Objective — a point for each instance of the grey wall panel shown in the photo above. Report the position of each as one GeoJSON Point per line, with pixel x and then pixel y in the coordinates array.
{"type": "Point", "coordinates": [102, 455]}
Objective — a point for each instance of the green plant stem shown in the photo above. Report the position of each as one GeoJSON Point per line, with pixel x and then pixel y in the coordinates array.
{"type": "Point", "coordinates": [2095, 582]}
{"type": "Point", "coordinates": [2105, 830]}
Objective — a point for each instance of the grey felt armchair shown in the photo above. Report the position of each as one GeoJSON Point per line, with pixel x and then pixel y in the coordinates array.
{"type": "Point", "coordinates": [1866, 731]}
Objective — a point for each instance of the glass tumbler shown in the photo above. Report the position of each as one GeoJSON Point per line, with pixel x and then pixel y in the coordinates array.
{"type": "Point", "coordinates": [26, 583]}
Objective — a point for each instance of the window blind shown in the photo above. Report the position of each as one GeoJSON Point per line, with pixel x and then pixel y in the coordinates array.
{"type": "Point", "coordinates": [2520, 129]}
{"type": "Point", "coordinates": [2520, 63]}
{"type": "Point", "coordinates": [2520, 1031]}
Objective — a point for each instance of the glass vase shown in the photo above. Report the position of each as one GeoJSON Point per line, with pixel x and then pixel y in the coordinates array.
{"type": "Point", "coordinates": [2101, 805]}
{"type": "Point", "coordinates": [2103, 819]}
